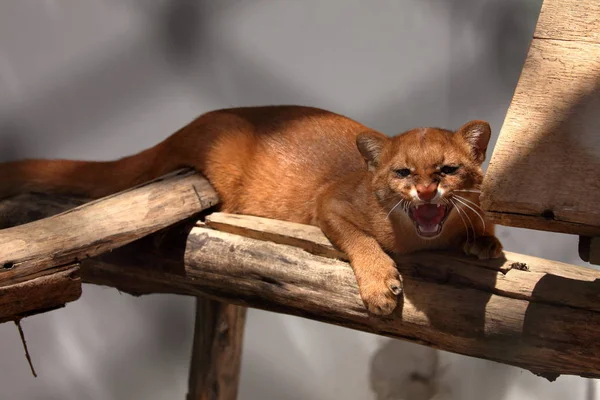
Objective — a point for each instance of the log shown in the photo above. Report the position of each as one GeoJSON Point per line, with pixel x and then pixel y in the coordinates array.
{"type": "Point", "coordinates": [525, 311]}
{"type": "Point", "coordinates": [40, 293]}
{"type": "Point", "coordinates": [217, 351]}
{"type": "Point", "coordinates": [51, 288]}
{"type": "Point", "coordinates": [543, 171]}
{"type": "Point", "coordinates": [102, 225]}
{"type": "Point", "coordinates": [36, 271]}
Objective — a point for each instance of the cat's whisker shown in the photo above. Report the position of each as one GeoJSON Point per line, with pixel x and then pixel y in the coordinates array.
{"type": "Point", "coordinates": [468, 201]}
{"type": "Point", "coordinates": [472, 209]}
{"type": "Point", "coordinates": [467, 190]}
{"type": "Point", "coordinates": [459, 210]}
{"type": "Point", "coordinates": [393, 208]}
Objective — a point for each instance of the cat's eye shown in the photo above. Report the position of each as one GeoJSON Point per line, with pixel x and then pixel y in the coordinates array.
{"type": "Point", "coordinates": [449, 169]}
{"type": "Point", "coordinates": [403, 172]}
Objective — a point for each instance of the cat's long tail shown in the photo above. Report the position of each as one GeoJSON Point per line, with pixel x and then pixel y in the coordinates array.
{"type": "Point", "coordinates": [91, 179]}
{"type": "Point", "coordinates": [191, 146]}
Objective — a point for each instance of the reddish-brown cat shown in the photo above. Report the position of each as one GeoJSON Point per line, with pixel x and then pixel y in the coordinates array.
{"type": "Point", "coordinates": [369, 193]}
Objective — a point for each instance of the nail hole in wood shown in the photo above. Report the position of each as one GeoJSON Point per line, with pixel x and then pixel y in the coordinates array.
{"type": "Point", "coordinates": [548, 214]}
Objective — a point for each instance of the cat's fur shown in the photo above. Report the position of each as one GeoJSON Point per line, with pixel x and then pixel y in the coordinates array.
{"type": "Point", "coordinates": [312, 166]}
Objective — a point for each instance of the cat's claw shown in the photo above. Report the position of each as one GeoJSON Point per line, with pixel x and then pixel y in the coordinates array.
{"type": "Point", "coordinates": [380, 292]}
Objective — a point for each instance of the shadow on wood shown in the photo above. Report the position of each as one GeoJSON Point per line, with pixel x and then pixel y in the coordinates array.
{"type": "Point", "coordinates": [543, 173]}
{"type": "Point", "coordinates": [524, 311]}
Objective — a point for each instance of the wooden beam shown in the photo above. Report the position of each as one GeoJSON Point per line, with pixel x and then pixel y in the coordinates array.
{"type": "Point", "coordinates": [36, 271]}
{"type": "Point", "coordinates": [543, 172]}
{"type": "Point", "coordinates": [40, 293]}
{"type": "Point", "coordinates": [541, 315]}
{"type": "Point", "coordinates": [576, 20]}
{"type": "Point", "coordinates": [99, 226]}
{"type": "Point", "coordinates": [525, 311]}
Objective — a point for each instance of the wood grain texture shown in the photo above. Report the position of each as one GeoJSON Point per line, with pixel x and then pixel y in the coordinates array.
{"type": "Point", "coordinates": [524, 311]}
{"type": "Point", "coordinates": [307, 237]}
{"type": "Point", "coordinates": [41, 293]}
{"type": "Point", "coordinates": [217, 351]}
{"type": "Point", "coordinates": [569, 20]}
{"type": "Point", "coordinates": [527, 320]}
{"type": "Point", "coordinates": [589, 249]}
{"type": "Point", "coordinates": [515, 276]}
{"type": "Point", "coordinates": [102, 225]}
{"type": "Point", "coordinates": [543, 172]}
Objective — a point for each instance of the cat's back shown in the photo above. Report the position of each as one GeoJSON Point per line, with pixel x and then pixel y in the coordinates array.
{"type": "Point", "coordinates": [273, 161]}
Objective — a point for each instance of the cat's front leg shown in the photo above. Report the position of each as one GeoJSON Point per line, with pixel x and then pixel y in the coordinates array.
{"type": "Point", "coordinates": [379, 281]}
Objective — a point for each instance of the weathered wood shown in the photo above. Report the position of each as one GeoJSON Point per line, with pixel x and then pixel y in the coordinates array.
{"type": "Point", "coordinates": [543, 172]}
{"type": "Point", "coordinates": [569, 20]}
{"type": "Point", "coordinates": [44, 292]}
{"type": "Point", "coordinates": [102, 225]}
{"type": "Point", "coordinates": [524, 311]}
{"type": "Point", "coordinates": [307, 237]}
{"type": "Point", "coordinates": [533, 328]}
{"type": "Point", "coordinates": [217, 351]}
{"type": "Point", "coordinates": [589, 249]}
{"type": "Point", "coordinates": [516, 276]}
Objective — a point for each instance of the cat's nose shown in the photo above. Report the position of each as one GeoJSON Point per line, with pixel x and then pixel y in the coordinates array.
{"type": "Point", "coordinates": [427, 192]}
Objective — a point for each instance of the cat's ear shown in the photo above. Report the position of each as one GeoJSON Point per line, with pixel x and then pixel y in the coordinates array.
{"type": "Point", "coordinates": [477, 135]}
{"type": "Point", "coordinates": [371, 145]}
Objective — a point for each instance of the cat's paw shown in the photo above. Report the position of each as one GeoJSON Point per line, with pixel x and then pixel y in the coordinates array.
{"type": "Point", "coordinates": [484, 247]}
{"type": "Point", "coordinates": [380, 287]}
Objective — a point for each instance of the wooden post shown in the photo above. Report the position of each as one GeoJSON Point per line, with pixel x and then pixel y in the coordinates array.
{"type": "Point", "coordinates": [217, 350]}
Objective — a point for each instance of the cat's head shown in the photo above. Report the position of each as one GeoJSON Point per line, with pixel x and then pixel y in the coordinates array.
{"type": "Point", "coordinates": [423, 171]}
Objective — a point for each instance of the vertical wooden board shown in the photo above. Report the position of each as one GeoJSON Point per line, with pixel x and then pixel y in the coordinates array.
{"type": "Point", "coordinates": [569, 20]}
{"type": "Point", "coordinates": [546, 164]}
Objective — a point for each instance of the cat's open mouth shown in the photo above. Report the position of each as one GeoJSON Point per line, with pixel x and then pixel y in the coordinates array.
{"type": "Point", "coordinates": [429, 218]}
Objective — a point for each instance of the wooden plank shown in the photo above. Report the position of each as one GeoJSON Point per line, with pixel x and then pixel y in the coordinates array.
{"type": "Point", "coordinates": [307, 237]}
{"type": "Point", "coordinates": [443, 310]}
{"type": "Point", "coordinates": [522, 311]}
{"type": "Point", "coordinates": [217, 351]}
{"type": "Point", "coordinates": [544, 170]}
{"type": "Point", "coordinates": [41, 293]}
{"type": "Point", "coordinates": [569, 20]}
{"type": "Point", "coordinates": [102, 225]}
{"type": "Point", "coordinates": [520, 282]}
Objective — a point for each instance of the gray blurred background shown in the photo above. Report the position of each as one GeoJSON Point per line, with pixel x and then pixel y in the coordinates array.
{"type": "Point", "coordinates": [103, 79]}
